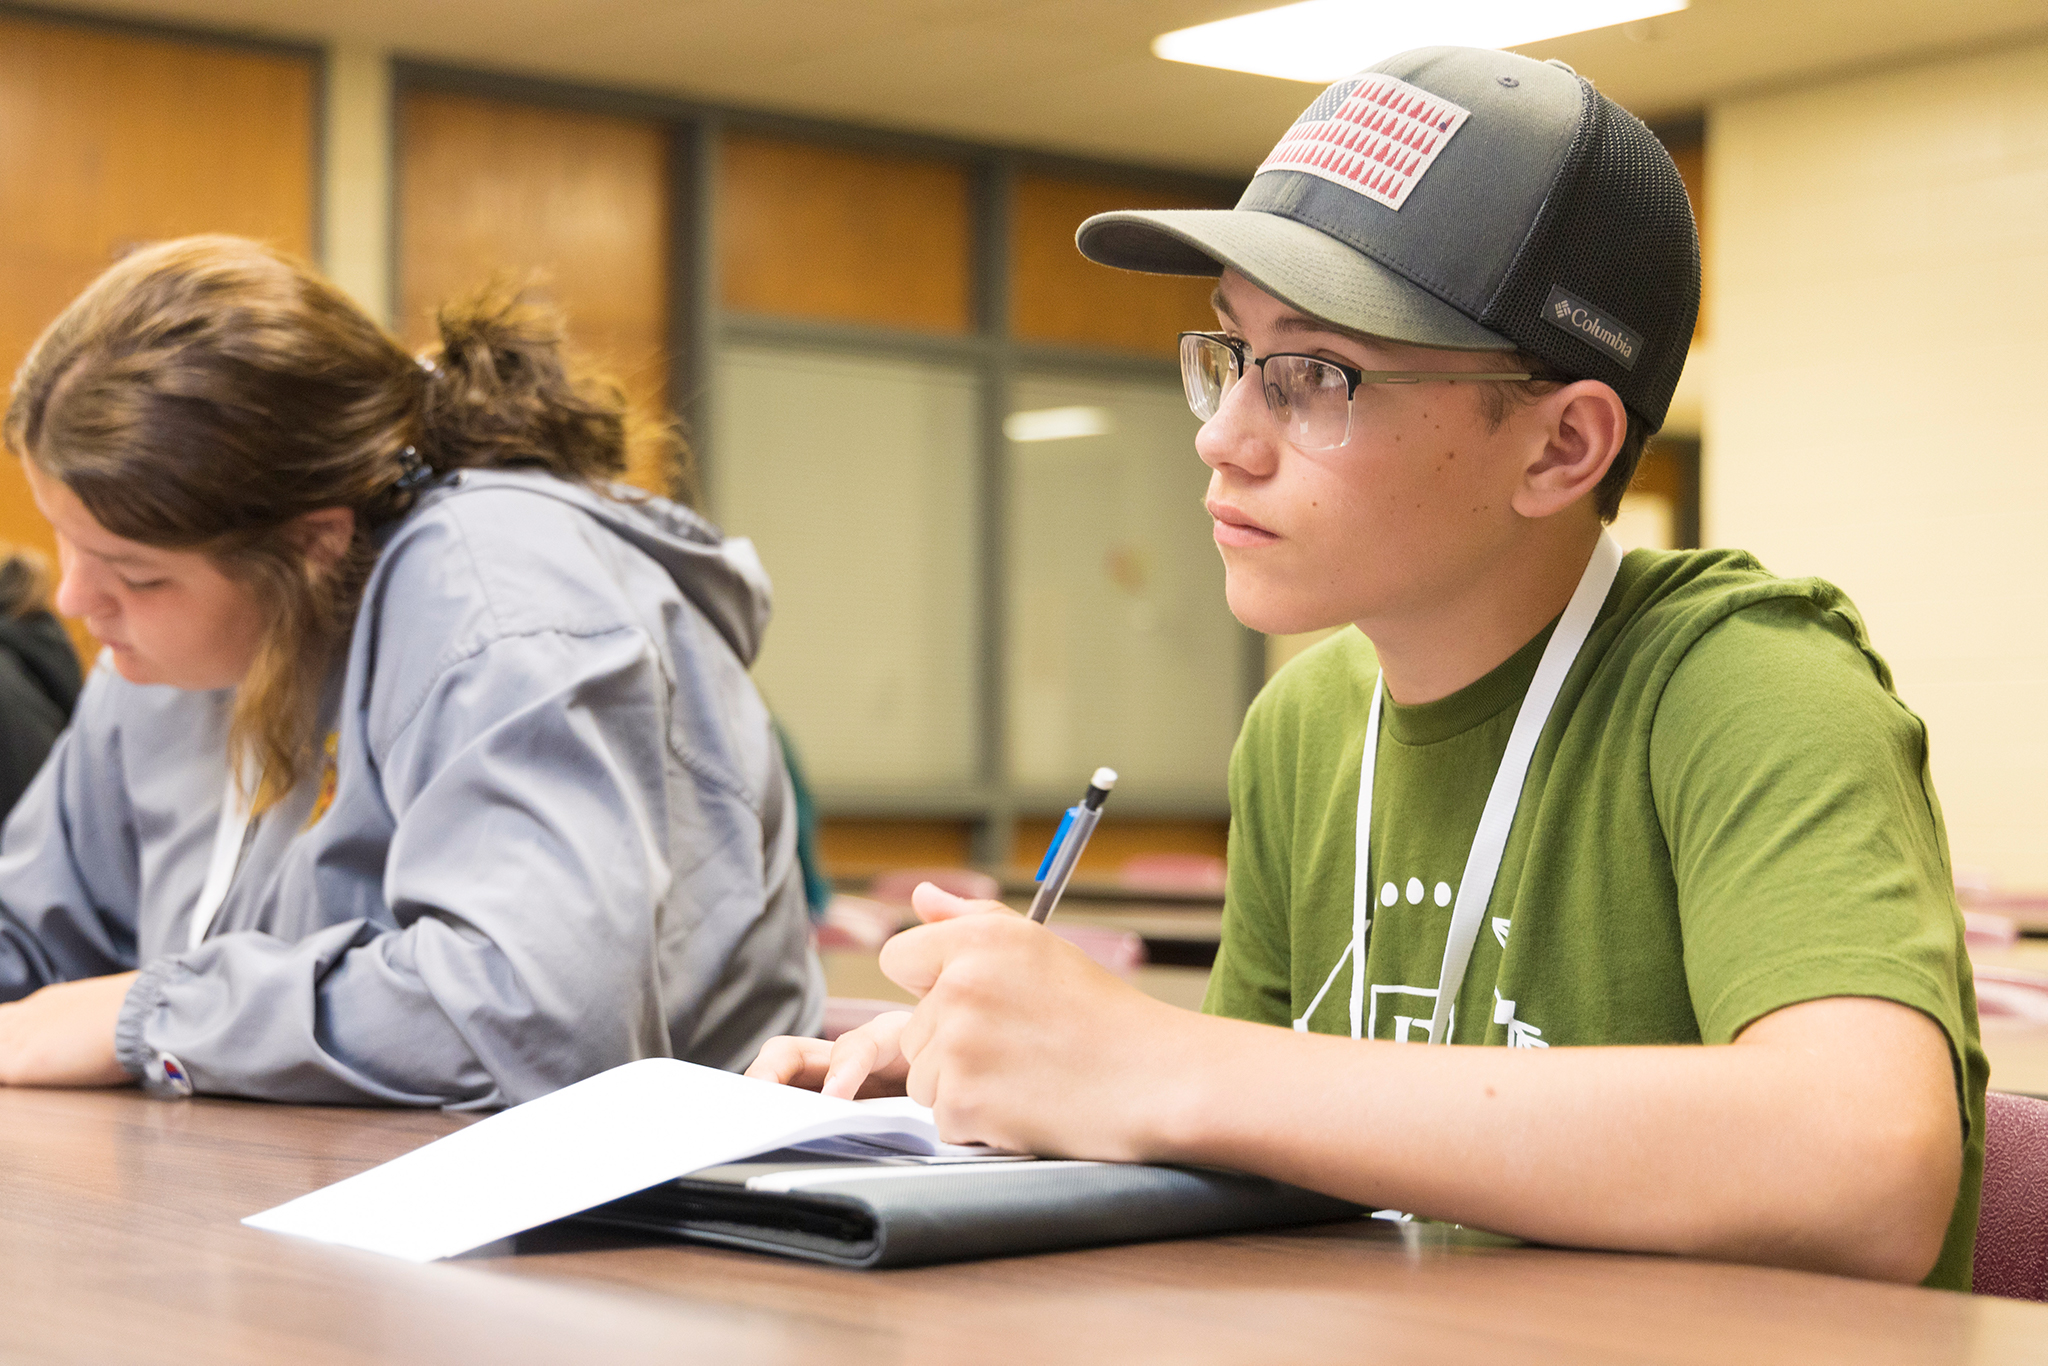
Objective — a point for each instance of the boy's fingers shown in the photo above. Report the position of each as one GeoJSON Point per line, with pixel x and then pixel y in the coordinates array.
{"type": "Point", "coordinates": [915, 958]}
{"type": "Point", "coordinates": [790, 1061]}
{"type": "Point", "coordinates": [933, 902]}
{"type": "Point", "coordinates": [860, 1053]}
{"type": "Point", "coordinates": [853, 1057]}
{"type": "Point", "coordinates": [922, 1083]}
{"type": "Point", "coordinates": [838, 1068]}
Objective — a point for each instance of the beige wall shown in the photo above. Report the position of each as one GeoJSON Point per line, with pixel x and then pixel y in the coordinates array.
{"type": "Point", "coordinates": [355, 218]}
{"type": "Point", "coordinates": [1879, 285]}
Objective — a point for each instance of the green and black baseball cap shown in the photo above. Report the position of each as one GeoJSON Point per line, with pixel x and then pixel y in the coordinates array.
{"type": "Point", "coordinates": [1462, 198]}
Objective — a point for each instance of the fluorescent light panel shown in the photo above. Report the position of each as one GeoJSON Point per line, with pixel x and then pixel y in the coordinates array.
{"type": "Point", "coordinates": [1326, 40]}
{"type": "Point", "coordinates": [1057, 424]}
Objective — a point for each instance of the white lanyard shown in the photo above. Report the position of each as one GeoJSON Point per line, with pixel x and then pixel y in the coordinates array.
{"type": "Point", "coordinates": [1482, 865]}
{"type": "Point", "coordinates": [228, 837]}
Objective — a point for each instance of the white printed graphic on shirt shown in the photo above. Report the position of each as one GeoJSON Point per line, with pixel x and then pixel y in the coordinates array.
{"type": "Point", "coordinates": [1301, 1024]}
{"type": "Point", "coordinates": [1500, 930]}
{"type": "Point", "coordinates": [1520, 1034]}
{"type": "Point", "coordinates": [1406, 1028]}
{"type": "Point", "coordinates": [1392, 895]}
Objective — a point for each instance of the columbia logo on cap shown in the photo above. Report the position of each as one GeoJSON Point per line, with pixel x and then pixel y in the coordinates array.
{"type": "Point", "coordinates": [1589, 324]}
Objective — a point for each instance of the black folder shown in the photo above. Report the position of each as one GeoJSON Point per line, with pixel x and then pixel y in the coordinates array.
{"type": "Point", "coordinates": [917, 1214]}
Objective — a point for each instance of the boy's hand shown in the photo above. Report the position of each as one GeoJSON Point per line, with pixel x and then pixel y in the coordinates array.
{"type": "Point", "coordinates": [860, 1063]}
{"type": "Point", "coordinates": [1018, 1040]}
{"type": "Point", "coordinates": [1021, 1041]}
{"type": "Point", "coordinates": [866, 1061]}
{"type": "Point", "coordinates": [63, 1035]}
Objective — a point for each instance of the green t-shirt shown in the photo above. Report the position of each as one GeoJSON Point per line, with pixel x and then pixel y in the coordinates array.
{"type": "Point", "coordinates": [1729, 812]}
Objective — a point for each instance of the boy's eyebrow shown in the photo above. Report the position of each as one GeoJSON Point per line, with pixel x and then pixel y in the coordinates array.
{"type": "Point", "coordinates": [1301, 322]}
{"type": "Point", "coordinates": [1219, 303]}
{"type": "Point", "coordinates": [1295, 322]}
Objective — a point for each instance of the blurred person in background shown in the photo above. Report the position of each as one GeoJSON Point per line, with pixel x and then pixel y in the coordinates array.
{"type": "Point", "coordinates": [422, 766]}
{"type": "Point", "coordinates": [39, 676]}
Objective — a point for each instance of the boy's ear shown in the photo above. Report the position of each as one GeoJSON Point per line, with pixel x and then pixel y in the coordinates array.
{"type": "Point", "coordinates": [1580, 427]}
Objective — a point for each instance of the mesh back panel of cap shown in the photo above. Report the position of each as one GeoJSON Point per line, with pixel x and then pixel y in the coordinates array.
{"type": "Point", "coordinates": [1616, 232]}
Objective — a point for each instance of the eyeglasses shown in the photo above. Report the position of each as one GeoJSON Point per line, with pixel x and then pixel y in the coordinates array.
{"type": "Point", "coordinates": [1310, 396]}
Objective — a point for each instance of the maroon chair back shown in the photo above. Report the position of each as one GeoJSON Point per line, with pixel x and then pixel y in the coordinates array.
{"type": "Point", "coordinates": [2012, 1225]}
{"type": "Point", "coordinates": [1190, 873]}
{"type": "Point", "coordinates": [1122, 952]}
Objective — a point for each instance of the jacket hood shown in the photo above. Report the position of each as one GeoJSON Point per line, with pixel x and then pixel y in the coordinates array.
{"type": "Point", "coordinates": [45, 652]}
{"type": "Point", "coordinates": [720, 574]}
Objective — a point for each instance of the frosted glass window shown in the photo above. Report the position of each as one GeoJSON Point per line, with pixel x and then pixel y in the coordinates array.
{"type": "Point", "coordinates": [856, 478]}
{"type": "Point", "coordinates": [1121, 650]}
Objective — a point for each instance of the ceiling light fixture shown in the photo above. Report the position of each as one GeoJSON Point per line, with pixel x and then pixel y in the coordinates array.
{"type": "Point", "coordinates": [1326, 40]}
{"type": "Point", "coordinates": [1057, 424]}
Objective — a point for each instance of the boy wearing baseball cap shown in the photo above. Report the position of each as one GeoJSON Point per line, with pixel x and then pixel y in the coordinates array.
{"type": "Point", "coordinates": [1545, 797]}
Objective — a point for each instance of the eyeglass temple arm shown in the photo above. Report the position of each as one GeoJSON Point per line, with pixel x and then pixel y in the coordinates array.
{"type": "Point", "coordinates": [1447, 376]}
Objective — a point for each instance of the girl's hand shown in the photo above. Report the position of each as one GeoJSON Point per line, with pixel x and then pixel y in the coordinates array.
{"type": "Point", "coordinates": [63, 1035]}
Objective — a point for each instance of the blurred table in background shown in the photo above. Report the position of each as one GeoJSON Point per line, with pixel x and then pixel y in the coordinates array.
{"type": "Point", "coordinates": [857, 973]}
{"type": "Point", "coordinates": [1017, 886]}
{"type": "Point", "coordinates": [2018, 1049]}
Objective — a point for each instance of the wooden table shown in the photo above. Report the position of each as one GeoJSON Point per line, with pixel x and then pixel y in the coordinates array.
{"type": "Point", "coordinates": [119, 1242]}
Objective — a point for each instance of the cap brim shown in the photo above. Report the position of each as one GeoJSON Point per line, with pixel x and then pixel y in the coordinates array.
{"type": "Point", "coordinates": [1291, 261]}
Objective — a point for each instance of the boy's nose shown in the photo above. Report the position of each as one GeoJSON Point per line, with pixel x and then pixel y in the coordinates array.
{"type": "Point", "coordinates": [1242, 433]}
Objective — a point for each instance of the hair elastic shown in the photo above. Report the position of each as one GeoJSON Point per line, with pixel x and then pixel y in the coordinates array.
{"type": "Point", "coordinates": [416, 472]}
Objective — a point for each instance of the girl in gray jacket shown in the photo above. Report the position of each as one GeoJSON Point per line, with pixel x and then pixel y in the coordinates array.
{"type": "Point", "coordinates": [421, 766]}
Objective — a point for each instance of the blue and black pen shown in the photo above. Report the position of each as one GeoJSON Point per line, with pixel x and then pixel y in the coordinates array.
{"type": "Point", "coordinates": [1067, 843]}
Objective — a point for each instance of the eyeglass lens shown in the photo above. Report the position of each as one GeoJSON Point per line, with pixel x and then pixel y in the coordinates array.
{"type": "Point", "coordinates": [1310, 398]}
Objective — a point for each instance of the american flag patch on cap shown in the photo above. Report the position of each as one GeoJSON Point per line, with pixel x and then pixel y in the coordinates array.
{"type": "Point", "coordinates": [1379, 137]}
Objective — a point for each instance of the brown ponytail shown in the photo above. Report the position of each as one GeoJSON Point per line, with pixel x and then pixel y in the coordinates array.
{"type": "Point", "coordinates": [24, 581]}
{"type": "Point", "coordinates": [500, 394]}
{"type": "Point", "coordinates": [205, 393]}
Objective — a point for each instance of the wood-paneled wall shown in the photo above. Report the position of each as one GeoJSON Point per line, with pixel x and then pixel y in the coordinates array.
{"type": "Point", "coordinates": [109, 140]}
{"type": "Point", "coordinates": [578, 202]}
{"type": "Point", "coordinates": [1060, 296]}
{"type": "Point", "coordinates": [1689, 154]}
{"type": "Point", "coordinates": [812, 231]}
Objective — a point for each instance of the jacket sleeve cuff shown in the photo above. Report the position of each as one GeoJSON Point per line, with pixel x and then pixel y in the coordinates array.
{"type": "Point", "coordinates": [159, 1073]}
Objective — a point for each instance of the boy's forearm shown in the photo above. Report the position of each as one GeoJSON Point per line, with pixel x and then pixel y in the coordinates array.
{"type": "Point", "coordinates": [1783, 1148]}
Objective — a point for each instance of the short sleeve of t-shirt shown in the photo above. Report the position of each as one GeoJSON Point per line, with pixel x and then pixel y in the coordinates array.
{"type": "Point", "coordinates": [1805, 839]}
{"type": "Point", "coordinates": [1252, 976]}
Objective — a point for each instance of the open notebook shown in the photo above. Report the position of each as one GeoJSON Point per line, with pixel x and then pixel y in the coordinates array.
{"type": "Point", "coordinates": [661, 1145]}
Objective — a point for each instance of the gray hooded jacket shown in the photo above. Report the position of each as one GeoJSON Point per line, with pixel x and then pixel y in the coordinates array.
{"type": "Point", "coordinates": [553, 835]}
